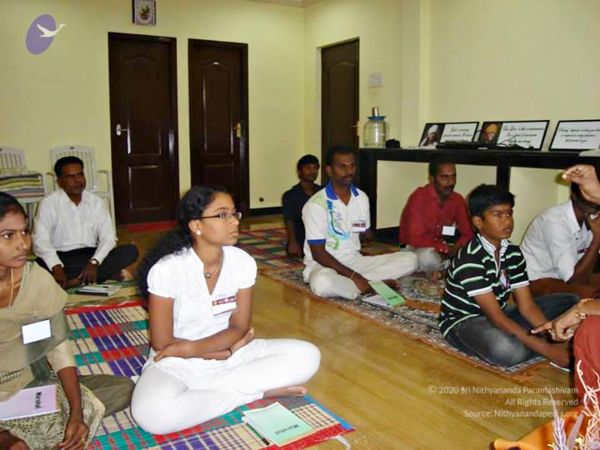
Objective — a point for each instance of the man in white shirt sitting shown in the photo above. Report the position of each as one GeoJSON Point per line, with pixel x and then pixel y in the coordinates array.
{"type": "Point", "coordinates": [73, 234]}
{"type": "Point", "coordinates": [561, 248]}
{"type": "Point", "coordinates": [334, 219]}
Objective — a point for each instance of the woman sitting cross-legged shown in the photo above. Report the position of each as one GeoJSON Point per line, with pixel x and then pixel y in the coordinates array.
{"type": "Point", "coordinates": [30, 298]}
{"type": "Point", "coordinates": [203, 360]}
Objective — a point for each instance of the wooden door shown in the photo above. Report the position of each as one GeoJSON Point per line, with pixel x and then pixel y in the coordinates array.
{"type": "Point", "coordinates": [143, 117]}
{"type": "Point", "coordinates": [339, 96]}
{"type": "Point", "coordinates": [219, 116]}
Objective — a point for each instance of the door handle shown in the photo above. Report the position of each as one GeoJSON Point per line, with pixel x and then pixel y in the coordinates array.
{"type": "Point", "coordinates": [237, 129]}
{"type": "Point", "coordinates": [119, 130]}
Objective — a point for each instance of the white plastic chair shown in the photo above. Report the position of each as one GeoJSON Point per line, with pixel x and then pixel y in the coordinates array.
{"type": "Point", "coordinates": [12, 158]}
{"type": "Point", "coordinates": [88, 156]}
{"type": "Point", "coordinates": [12, 163]}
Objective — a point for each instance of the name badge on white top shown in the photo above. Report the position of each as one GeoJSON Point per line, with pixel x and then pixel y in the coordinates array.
{"type": "Point", "coordinates": [448, 230]}
{"type": "Point", "coordinates": [359, 226]}
{"type": "Point", "coordinates": [221, 305]}
{"type": "Point", "coordinates": [36, 331]}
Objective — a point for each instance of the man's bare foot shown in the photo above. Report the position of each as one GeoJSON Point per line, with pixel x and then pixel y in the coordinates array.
{"type": "Point", "coordinates": [243, 341]}
{"type": "Point", "coordinates": [290, 391]}
{"type": "Point", "coordinates": [435, 276]}
{"type": "Point", "coordinates": [126, 275]}
{"type": "Point", "coordinates": [393, 284]}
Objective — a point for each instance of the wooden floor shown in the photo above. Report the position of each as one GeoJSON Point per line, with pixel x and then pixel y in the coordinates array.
{"type": "Point", "coordinates": [397, 392]}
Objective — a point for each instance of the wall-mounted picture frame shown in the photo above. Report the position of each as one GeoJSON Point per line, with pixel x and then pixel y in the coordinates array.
{"type": "Point", "coordinates": [521, 134]}
{"type": "Point", "coordinates": [438, 132]}
{"type": "Point", "coordinates": [144, 12]}
{"type": "Point", "coordinates": [576, 135]}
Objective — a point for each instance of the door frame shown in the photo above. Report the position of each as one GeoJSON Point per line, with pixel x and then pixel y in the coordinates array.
{"type": "Point", "coordinates": [244, 201]}
{"type": "Point", "coordinates": [173, 144]}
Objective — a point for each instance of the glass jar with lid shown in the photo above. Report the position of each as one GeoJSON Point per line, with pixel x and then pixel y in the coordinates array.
{"type": "Point", "coordinates": [375, 130]}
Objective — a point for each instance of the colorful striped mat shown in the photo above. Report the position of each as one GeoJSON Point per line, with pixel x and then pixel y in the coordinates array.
{"type": "Point", "coordinates": [268, 249]}
{"type": "Point", "coordinates": [114, 340]}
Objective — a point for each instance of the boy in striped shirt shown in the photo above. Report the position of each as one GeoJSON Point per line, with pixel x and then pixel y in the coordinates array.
{"type": "Point", "coordinates": [475, 316]}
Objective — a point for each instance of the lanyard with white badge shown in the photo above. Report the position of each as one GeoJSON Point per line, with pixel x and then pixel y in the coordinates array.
{"type": "Point", "coordinates": [35, 330]}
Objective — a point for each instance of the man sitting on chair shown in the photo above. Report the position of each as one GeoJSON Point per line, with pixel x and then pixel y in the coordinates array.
{"type": "Point", "coordinates": [73, 234]}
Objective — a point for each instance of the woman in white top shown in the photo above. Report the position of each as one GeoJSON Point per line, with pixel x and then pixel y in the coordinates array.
{"type": "Point", "coordinates": [203, 360]}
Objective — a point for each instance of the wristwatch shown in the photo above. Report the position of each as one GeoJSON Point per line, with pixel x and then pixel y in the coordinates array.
{"type": "Point", "coordinates": [94, 261]}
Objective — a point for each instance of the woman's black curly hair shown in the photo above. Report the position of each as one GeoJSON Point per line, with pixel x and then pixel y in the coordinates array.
{"type": "Point", "coordinates": [191, 207]}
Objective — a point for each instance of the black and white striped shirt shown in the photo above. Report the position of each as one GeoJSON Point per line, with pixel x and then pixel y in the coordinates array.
{"type": "Point", "coordinates": [474, 271]}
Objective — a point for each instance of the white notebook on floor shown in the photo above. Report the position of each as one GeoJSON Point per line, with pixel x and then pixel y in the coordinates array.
{"type": "Point", "coordinates": [99, 289]}
{"type": "Point", "coordinates": [30, 402]}
{"type": "Point", "coordinates": [376, 300]}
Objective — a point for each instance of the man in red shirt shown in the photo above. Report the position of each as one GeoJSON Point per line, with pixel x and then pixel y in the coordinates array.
{"type": "Point", "coordinates": [435, 216]}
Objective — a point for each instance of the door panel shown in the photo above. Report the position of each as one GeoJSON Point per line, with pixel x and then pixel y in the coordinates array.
{"type": "Point", "coordinates": [339, 96]}
{"type": "Point", "coordinates": [218, 116]}
{"type": "Point", "coordinates": [143, 104]}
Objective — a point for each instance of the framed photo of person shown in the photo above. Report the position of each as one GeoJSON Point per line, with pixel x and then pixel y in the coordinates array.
{"type": "Point", "coordinates": [438, 132]}
{"type": "Point", "coordinates": [144, 12]}
{"type": "Point", "coordinates": [523, 134]}
{"type": "Point", "coordinates": [576, 135]}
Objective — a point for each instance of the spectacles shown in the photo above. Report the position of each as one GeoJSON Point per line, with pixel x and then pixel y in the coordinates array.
{"type": "Point", "coordinates": [225, 215]}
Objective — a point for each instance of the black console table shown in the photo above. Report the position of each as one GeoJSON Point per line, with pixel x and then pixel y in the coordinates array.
{"type": "Point", "coordinates": [503, 160]}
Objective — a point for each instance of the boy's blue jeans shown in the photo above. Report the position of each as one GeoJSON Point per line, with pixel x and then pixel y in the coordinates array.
{"type": "Point", "coordinates": [479, 337]}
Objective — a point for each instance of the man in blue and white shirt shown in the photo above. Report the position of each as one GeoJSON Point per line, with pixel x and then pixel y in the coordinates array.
{"type": "Point", "coordinates": [334, 219]}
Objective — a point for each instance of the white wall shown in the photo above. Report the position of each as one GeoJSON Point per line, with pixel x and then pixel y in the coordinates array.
{"type": "Point", "coordinates": [61, 96]}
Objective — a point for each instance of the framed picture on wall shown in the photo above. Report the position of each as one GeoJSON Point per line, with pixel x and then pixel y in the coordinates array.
{"type": "Point", "coordinates": [438, 132]}
{"type": "Point", "coordinates": [144, 12]}
{"type": "Point", "coordinates": [576, 135]}
{"type": "Point", "coordinates": [522, 134]}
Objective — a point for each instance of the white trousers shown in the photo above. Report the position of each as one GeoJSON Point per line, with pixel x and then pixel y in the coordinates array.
{"type": "Point", "coordinates": [162, 403]}
{"type": "Point", "coordinates": [327, 282]}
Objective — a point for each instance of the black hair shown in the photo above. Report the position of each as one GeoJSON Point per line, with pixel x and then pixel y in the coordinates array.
{"type": "Point", "coordinates": [306, 160]}
{"type": "Point", "coordinates": [576, 191]}
{"type": "Point", "coordinates": [10, 204]}
{"type": "Point", "coordinates": [435, 164]}
{"type": "Point", "coordinates": [485, 196]}
{"type": "Point", "coordinates": [65, 160]}
{"type": "Point", "coordinates": [191, 207]}
{"type": "Point", "coordinates": [337, 150]}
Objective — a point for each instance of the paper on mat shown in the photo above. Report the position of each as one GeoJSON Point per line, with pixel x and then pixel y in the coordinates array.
{"type": "Point", "coordinates": [277, 424]}
{"type": "Point", "coordinates": [30, 402]}
{"type": "Point", "coordinates": [390, 296]}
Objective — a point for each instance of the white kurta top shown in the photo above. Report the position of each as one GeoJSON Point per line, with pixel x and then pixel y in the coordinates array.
{"type": "Point", "coordinates": [554, 243]}
{"type": "Point", "coordinates": [198, 314]}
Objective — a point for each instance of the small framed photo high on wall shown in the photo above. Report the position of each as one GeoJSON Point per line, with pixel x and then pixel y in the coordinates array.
{"type": "Point", "coordinates": [144, 12]}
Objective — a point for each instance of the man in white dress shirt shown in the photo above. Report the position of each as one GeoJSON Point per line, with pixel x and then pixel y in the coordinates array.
{"type": "Point", "coordinates": [561, 248]}
{"type": "Point", "coordinates": [73, 235]}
